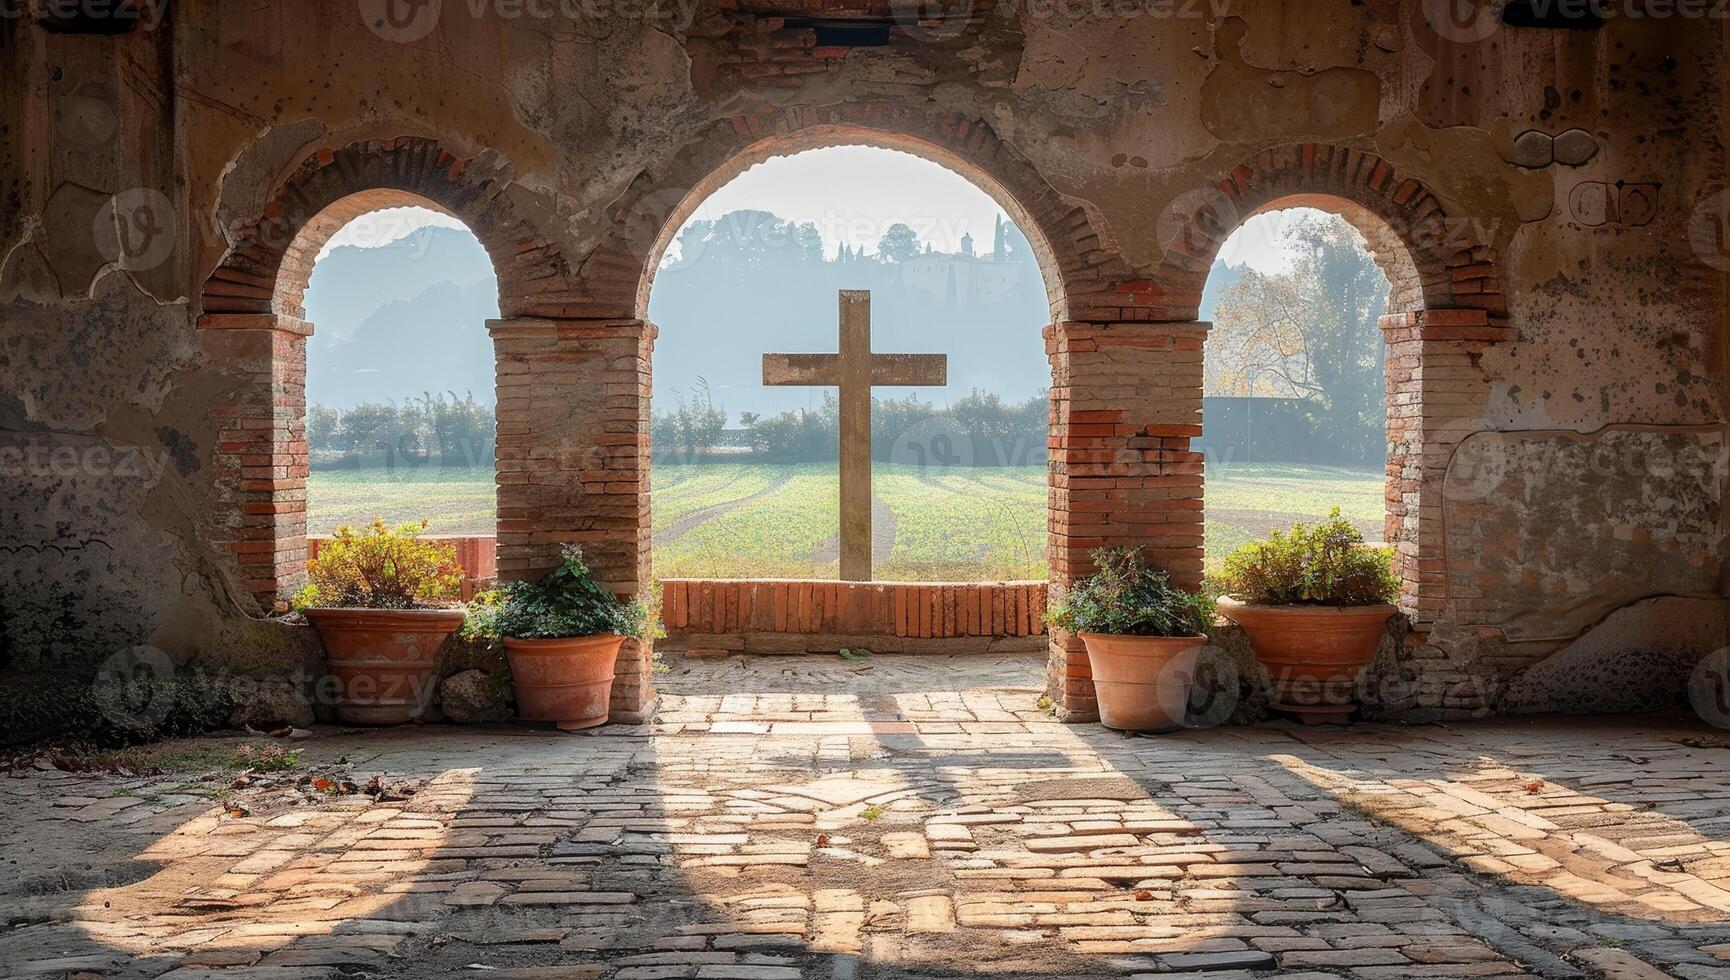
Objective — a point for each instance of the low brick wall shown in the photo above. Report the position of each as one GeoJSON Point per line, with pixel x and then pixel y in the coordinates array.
{"type": "Point", "coordinates": [798, 616]}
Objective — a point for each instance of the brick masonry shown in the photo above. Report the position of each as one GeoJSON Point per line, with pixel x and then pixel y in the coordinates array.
{"type": "Point", "coordinates": [1436, 397]}
{"type": "Point", "coordinates": [1125, 403]}
{"type": "Point", "coordinates": [793, 616]}
{"type": "Point", "coordinates": [573, 462]}
{"type": "Point", "coordinates": [259, 508]}
{"type": "Point", "coordinates": [574, 355]}
{"type": "Point", "coordinates": [1080, 268]}
{"type": "Point", "coordinates": [269, 262]}
{"type": "Point", "coordinates": [1433, 256]}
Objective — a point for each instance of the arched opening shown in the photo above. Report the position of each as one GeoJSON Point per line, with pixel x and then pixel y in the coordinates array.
{"type": "Point", "coordinates": [667, 211]}
{"type": "Point", "coordinates": [1294, 408]}
{"type": "Point", "coordinates": [749, 473]}
{"type": "Point", "coordinates": [400, 387]}
{"type": "Point", "coordinates": [254, 323]}
{"type": "Point", "coordinates": [1445, 308]}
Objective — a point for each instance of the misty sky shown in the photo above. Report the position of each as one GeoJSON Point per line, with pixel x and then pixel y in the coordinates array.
{"type": "Point", "coordinates": [406, 289]}
{"type": "Point", "coordinates": [852, 194]}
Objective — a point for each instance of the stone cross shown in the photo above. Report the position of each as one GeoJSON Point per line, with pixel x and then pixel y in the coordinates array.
{"type": "Point", "coordinates": [855, 370]}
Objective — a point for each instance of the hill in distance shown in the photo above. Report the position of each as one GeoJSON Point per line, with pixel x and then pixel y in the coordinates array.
{"type": "Point", "coordinates": [410, 317]}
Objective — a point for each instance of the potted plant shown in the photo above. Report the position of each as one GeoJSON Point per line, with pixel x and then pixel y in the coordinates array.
{"type": "Point", "coordinates": [383, 602]}
{"type": "Point", "coordinates": [1143, 636]}
{"type": "Point", "coordinates": [562, 637]}
{"type": "Point", "coordinates": [1315, 603]}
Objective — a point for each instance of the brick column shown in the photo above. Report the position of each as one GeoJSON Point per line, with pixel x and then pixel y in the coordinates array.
{"type": "Point", "coordinates": [261, 456]}
{"type": "Point", "coordinates": [1436, 398]}
{"type": "Point", "coordinates": [573, 463]}
{"type": "Point", "coordinates": [1125, 403]}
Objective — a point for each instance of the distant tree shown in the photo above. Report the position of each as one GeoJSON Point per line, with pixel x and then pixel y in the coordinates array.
{"type": "Point", "coordinates": [808, 242]}
{"type": "Point", "coordinates": [898, 244]}
{"type": "Point", "coordinates": [748, 238]}
{"type": "Point", "coordinates": [801, 435]}
{"type": "Point", "coordinates": [693, 428]}
{"type": "Point", "coordinates": [323, 425]}
{"type": "Point", "coordinates": [447, 428]}
{"type": "Point", "coordinates": [1310, 332]}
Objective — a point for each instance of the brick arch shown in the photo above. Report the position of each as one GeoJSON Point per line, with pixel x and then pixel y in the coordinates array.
{"type": "Point", "coordinates": [1076, 256]}
{"type": "Point", "coordinates": [1445, 306]}
{"type": "Point", "coordinates": [269, 262]}
{"type": "Point", "coordinates": [253, 325]}
{"type": "Point", "coordinates": [1434, 257]}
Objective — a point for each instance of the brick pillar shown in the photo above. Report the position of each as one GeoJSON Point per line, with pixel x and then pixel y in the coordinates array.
{"type": "Point", "coordinates": [573, 463]}
{"type": "Point", "coordinates": [1436, 398]}
{"type": "Point", "coordinates": [261, 456]}
{"type": "Point", "coordinates": [1125, 403]}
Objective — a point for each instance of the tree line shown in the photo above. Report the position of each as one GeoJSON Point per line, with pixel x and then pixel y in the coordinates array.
{"type": "Point", "coordinates": [980, 429]}
{"type": "Point", "coordinates": [451, 431]}
{"type": "Point", "coordinates": [444, 428]}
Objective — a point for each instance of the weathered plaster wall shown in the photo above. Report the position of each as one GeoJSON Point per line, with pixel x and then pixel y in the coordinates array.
{"type": "Point", "coordinates": [1583, 159]}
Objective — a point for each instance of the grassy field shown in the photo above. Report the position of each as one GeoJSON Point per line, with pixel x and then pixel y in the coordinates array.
{"type": "Point", "coordinates": [737, 520]}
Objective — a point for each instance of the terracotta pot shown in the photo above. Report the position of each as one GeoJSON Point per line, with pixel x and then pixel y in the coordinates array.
{"type": "Point", "coordinates": [1313, 653]}
{"type": "Point", "coordinates": [568, 680]}
{"type": "Point", "coordinates": [1142, 681]}
{"type": "Point", "coordinates": [382, 659]}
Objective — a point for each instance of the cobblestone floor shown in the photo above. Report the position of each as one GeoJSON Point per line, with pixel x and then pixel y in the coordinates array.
{"type": "Point", "coordinates": [815, 817]}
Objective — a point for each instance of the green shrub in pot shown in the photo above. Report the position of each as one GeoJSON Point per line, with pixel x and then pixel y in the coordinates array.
{"type": "Point", "coordinates": [383, 601]}
{"type": "Point", "coordinates": [1315, 602]}
{"type": "Point", "coordinates": [562, 636]}
{"type": "Point", "coordinates": [1143, 637]}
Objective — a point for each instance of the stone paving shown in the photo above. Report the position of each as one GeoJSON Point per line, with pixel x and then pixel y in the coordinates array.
{"type": "Point", "coordinates": [815, 817]}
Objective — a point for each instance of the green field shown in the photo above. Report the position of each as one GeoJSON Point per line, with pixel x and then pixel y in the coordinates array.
{"type": "Point", "coordinates": [738, 520]}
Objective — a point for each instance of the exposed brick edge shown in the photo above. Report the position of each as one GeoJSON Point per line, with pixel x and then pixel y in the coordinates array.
{"type": "Point", "coordinates": [267, 267]}
{"type": "Point", "coordinates": [257, 510]}
{"type": "Point", "coordinates": [573, 462]}
{"type": "Point", "coordinates": [698, 609]}
{"type": "Point", "coordinates": [1436, 395]}
{"type": "Point", "coordinates": [1080, 259]}
{"type": "Point", "coordinates": [1125, 404]}
{"type": "Point", "coordinates": [1442, 259]}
